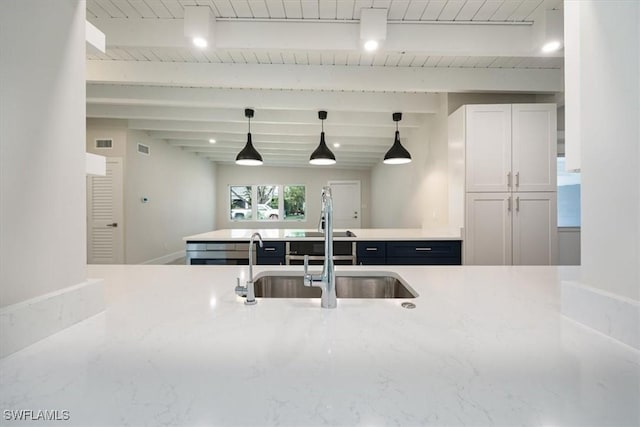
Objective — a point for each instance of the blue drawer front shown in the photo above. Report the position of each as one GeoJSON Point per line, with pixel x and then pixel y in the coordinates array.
{"type": "Point", "coordinates": [445, 251]}
{"type": "Point", "coordinates": [270, 249]}
{"type": "Point", "coordinates": [371, 249]}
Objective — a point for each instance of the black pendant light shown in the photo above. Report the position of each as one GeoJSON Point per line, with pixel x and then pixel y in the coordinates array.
{"type": "Point", "coordinates": [322, 155]}
{"type": "Point", "coordinates": [249, 156]}
{"type": "Point", "coordinates": [397, 154]}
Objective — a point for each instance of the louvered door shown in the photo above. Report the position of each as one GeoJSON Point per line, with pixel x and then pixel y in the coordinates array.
{"type": "Point", "coordinates": [104, 216]}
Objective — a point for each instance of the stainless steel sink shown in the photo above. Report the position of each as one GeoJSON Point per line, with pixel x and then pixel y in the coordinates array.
{"type": "Point", "coordinates": [372, 285]}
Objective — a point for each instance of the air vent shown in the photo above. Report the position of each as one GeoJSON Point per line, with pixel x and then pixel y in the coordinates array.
{"type": "Point", "coordinates": [144, 149]}
{"type": "Point", "coordinates": [104, 143]}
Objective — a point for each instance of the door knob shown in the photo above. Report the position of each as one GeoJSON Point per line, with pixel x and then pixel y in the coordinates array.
{"type": "Point", "coordinates": [115, 224]}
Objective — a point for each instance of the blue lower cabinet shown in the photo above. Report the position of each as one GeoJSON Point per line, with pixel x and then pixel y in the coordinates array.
{"type": "Point", "coordinates": [371, 253]}
{"type": "Point", "coordinates": [271, 253]}
{"type": "Point", "coordinates": [436, 252]}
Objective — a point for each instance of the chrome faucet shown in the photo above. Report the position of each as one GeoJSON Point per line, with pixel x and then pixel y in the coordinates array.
{"type": "Point", "coordinates": [326, 281]}
{"type": "Point", "coordinates": [249, 289]}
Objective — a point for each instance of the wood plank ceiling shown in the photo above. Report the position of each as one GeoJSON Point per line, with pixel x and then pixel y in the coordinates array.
{"type": "Point", "coordinates": [187, 95]}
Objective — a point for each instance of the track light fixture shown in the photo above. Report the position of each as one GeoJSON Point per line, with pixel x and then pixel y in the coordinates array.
{"type": "Point", "coordinates": [322, 155]}
{"type": "Point", "coordinates": [397, 154]}
{"type": "Point", "coordinates": [249, 156]}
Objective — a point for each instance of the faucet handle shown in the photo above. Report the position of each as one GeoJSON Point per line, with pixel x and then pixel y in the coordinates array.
{"type": "Point", "coordinates": [307, 276]}
{"type": "Point", "coordinates": [241, 291]}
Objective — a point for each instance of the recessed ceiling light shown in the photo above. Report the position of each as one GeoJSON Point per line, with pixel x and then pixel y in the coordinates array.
{"type": "Point", "coordinates": [336, 145]}
{"type": "Point", "coordinates": [212, 141]}
{"type": "Point", "coordinates": [370, 45]}
{"type": "Point", "coordinates": [200, 42]}
{"type": "Point", "coordinates": [551, 46]}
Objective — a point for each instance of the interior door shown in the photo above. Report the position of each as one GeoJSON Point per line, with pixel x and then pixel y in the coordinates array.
{"type": "Point", "coordinates": [105, 234]}
{"type": "Point", "coordinates": [346, 204]}
{"type": "Point", "coordinates": [488, 229]}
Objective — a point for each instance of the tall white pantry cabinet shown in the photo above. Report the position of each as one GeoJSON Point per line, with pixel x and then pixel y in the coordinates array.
{"type": "Point", "coordinates": [502, 183]}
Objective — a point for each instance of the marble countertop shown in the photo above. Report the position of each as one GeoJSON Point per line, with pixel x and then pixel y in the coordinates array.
{"type": "Point", "coordinates": [360, 234]}
{"type": "Point", "coordinates": [176, 346]}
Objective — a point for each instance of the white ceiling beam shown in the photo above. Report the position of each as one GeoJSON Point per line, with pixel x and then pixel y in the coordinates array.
{"type": "Point", "coordinates": [428, 38]}
{"type": "Point", "coordinates": [190, 138]}
{"type": "Point", "coordinates": [371, 144]}
{"type": "Point", "coordinates": [346, 118]}
{"type": "Point", "coordinates": [318, 77]}
{"type": "Point", "coordinates": [259, 128]}
{"type": "Point", "coordinates": [275, 159]}
{"type": "Point", "coordinates": [298, 152]}
{"type": "Point", "coordinates": [284, 164]}
{"type": "Point", "coordinates": [262, 99]}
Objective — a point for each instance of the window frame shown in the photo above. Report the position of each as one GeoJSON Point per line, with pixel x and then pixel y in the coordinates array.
{"type": "Point", "coordinates": [254, 204]}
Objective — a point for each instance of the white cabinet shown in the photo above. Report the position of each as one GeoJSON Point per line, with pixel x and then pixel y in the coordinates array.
{"type": "Point", "coordinates": [502, 182]}
{"type": "Point", "coordinates": [534, 228]}
{"type": "Point", "coordinates": [510, 228]}
{"type": "Point", "coordinates": [534, 147]}
{"type": "Point", "coordinates": [510, 147]}
{"type": "Point", "coordinates": [488, 147]}
{"type": "Point", "coordinates": [487, 237]}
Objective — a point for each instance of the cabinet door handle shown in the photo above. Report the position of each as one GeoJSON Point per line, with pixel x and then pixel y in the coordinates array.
{"type": "Point", "coordinates": [517, 204]}
{"type": "Point", "coordinates": [509, 205]}
{"type": "Point", "coordinates": [372, 249]}
{"type": "Point", "coordinates": [423, 249]}
{"type": "Point", "coordinates": [269, 249]}
{"type": "Point", "coordinates": [509, 179]}
{"type": "Point", "coordinates": [517, 179]}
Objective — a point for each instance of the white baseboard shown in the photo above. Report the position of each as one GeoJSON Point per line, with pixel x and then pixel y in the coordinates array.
{"type": "Point", "coordinates": [27, 322]}
{"type": "Point", "coordinates": [612, 315]}
{"type": "Point", "coordinates": [165, 259]}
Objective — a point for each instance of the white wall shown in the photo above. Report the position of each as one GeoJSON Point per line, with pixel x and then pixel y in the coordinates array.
{"type": "Point", "coordinates": [608, 102]}
{"type": "Point", "coordinates": [107, 129]}
{"type": "Point", "coordinates": [181, 192]}
{"type": "Point", "coordinates": [42, 160]}
{"type": "Point", "coordinates": [413, 195]}
{"type": "Point", "coordinates": [314, 178]}
{"type": "Point", "coordinates": [180, 187]}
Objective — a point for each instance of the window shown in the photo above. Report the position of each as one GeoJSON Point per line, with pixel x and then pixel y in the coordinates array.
{"type": "Point", "coordinates": [269, 206]}
{"type": "Point", "coordinates": [268, 202]}
{"type": "Point", "coordinates": [568, 196]}
{"type": "Point", "coordinates": [241, 207]}
{"type": "Point", "coordinates": [294, 201]}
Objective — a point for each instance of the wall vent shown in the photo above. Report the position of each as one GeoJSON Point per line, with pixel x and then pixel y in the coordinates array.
{"type": "Point", "coordinates": [106, 143]}
{"type": "Point", "coordinates": [144, 149]}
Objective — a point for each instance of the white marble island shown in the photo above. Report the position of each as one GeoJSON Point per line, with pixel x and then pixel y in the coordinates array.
{"type": "Point", "coordinates": [359, 234]}
{"type": "Point", "coordinates": [176, 346]}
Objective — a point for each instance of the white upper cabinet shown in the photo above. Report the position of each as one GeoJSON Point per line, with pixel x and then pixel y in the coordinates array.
{"type": "Point", "coordinates": [534, 147]}
{"type": "Point", "coordinates": [510, 147]}
{"type": "Point", "coordinates": [488, 147]}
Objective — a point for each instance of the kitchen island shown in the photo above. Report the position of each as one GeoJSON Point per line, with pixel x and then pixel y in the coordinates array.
{"type": "Point", "coordinates": [366, 246]}
{"type": "Point", "coordinates": [176, 346]}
